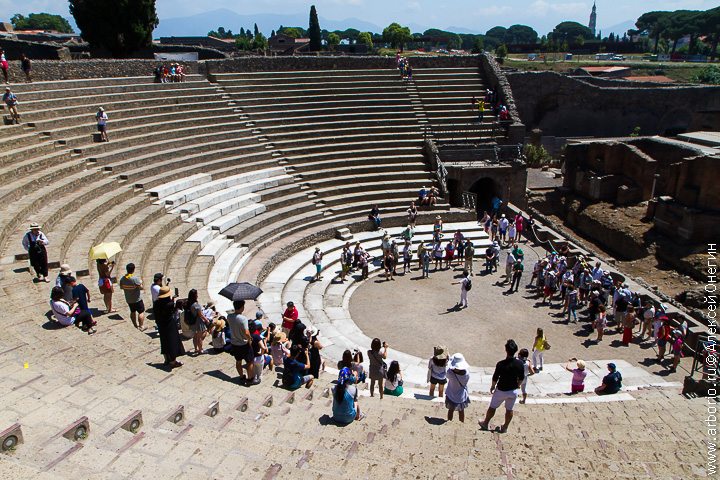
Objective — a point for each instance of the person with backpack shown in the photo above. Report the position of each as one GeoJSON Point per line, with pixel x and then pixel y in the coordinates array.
{"type": "Point", "coordinates": [11, 101]}
{"type": "Point", "coordinates": [469, 254]}
{"type": "Point", "coordinates": [378, 368]}
{"type": "Point", "coordinates": [465, 287]}
{"type": "Point", "coordinates": [317, 261]}
{"type": "Point", "coordinates": [345, 261]}
{"type": "Point", "coordinates": [34, 242]}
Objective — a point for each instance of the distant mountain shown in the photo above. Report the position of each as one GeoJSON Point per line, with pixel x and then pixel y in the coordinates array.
{"type": "Point", "coordinates": [202, 23]}
{"type": "Point", "coordinates": [463, 30]}
{"type": "Point", "coordinates": [618, 29]}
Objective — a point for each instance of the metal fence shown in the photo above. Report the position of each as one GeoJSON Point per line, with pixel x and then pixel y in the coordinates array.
{"type": "Point", "coordinates": [467, 132]}
{"type": "Point", "coordinates": [469, 201]}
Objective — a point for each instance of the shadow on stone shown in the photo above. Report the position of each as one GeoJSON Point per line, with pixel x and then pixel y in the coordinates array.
{"type": "Point", "coordinates": [435, 420]}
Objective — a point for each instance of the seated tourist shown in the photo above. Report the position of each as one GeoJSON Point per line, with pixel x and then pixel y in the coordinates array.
{"type": "Point", "coordinates": [67, 313]}
{"type": "Point", "coordinates": [353, 361]}
{"type": "Point", "coordinates": [293, 377]}
{"type": "Point", "coordinates": [345, 407]}
{"type": "Point", "coordinates": [374, 217]}
{"type": "Point", "coordinates": [611, 383]}
{"type": "Point", "coordinates": [394, 381]}
{"type": "Point", "coordinates": [422, 196]}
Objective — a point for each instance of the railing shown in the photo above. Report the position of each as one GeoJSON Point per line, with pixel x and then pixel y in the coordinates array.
{"type": "Point", "coordinates": [467, 132]}
{"type": "Point", "coordinates": [469, 201]}
{"type": "Point", "coordinates": [489, 154]}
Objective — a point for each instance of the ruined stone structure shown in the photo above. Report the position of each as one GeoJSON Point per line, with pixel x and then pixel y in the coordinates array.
{"type": "Point", "coordinates": [627, 171]}
{"type": "Point", "coordinates": [563, 106]}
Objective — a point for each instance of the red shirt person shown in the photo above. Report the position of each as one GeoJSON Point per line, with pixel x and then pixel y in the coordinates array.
{"type": "Point", "coordinates": [289, 317]}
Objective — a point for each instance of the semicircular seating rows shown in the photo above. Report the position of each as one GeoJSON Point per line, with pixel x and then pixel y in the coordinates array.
{"type": "Point", "coordinates": [207, 183]}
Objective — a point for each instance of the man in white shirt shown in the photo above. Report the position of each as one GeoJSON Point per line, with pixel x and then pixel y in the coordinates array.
{"type": "Point", "coordinates": [156, 286]}
{"type": "Point", "coordinates": [102, 119]}
{"type": "Point", "coordinates": [465, 285]}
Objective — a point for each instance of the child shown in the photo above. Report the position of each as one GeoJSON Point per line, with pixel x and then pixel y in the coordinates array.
{"type": "Point", "coordinates": [425, 259]}
{"type": "Point", "coordinates": [677, 347]}
{"type": "Point", "coordinates": [218, 335]}
{"type": "Point", "coordinates": [437, 373]}
{"type": "Point", "coordinates": [259, 349]}
{"type": "Point", "coordinates": [577, 385]}
{"type": "Point", "coordinates": [529, 370]}
{"type": "Point", "coordinates": [601, 323]}
{"type": "Point", "coordinates": [539, 347]}
{"type": "Point", "coordinates": [280, 348]}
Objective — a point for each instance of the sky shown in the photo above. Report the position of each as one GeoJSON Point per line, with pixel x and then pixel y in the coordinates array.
{"type": "Point", "coordinates": [475, 15]}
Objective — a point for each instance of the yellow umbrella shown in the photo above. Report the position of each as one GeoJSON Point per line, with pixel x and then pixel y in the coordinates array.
{"type": "Point", "coordinates": [105, 250]}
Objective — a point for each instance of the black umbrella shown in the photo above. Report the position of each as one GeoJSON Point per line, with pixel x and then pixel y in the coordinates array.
{"type": "Point", "coordinates": [241, 291]}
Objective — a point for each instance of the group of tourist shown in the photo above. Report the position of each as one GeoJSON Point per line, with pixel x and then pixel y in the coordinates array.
{"type": "Point", "coordinates": [490, 99]}
{"type": "Point", "coordinates": [174, 72]}
{"type": "Point", "coordinates": [25, 66]}
{"type": "Point", "coordinates": [404, 67]}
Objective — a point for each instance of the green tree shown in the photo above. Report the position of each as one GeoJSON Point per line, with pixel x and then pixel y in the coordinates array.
{"type": "Point", "coordinates": [520, 34]}
{"type": "Point", "coordinates": [709, 75]}
{"type": "Point", "coordinates": [333, 40]}
{"type": "Point", "coordinates": [221, 33]}
{"type": "Point", "coordinates": [396, 35]}
{"type": "Point", "coordinates": [365, 38]}
{"type": "Point", "coordinates": [121, 26]}
{"type": "Point", "coordinates": [41, 21]}
{"type": "Point", "coordinates": [294, 32]}
{"type": "Point", "coordinates": [243, 43]}
{"type": "Point", "coordinates": [259, 42]}
{"type": "Point", "coordinates": [454, 42]}
{"type": "Point", "coordinates": [708, 24]}
{"type": "Point", "coordinates": [579, 41]}
{"type": "Point", "coordinates": [655, 24]}
{"type": "Point", "coordinates": [501, 51]}
{"type": "Point", "coordinates": [314, 31]}
{"type": "Point", "coordinates": [479, 45]}
{"type": "Point", "coordinates": [570, 30]}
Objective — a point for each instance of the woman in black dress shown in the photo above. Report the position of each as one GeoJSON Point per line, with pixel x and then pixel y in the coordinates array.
{"type": "Point", "coordinates": [315, 358]}
{"type": "Point", "coordinates": [170, 345]}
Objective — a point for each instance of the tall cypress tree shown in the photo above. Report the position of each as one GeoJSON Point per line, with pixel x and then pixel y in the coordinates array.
{"type": "Point", "coordinates": [314, 31]}
{"type": "Point", "coordinates": [256, 31]}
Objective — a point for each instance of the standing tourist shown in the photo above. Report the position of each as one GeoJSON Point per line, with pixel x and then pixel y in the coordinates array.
{"type": "Point", "coordinates": [577, 384]}
{"type": "Point", "coordinates": [437, 370]}
{"type": "Point", "coordinates": [407, 257]}
{"type": "Point", "coordinates": [156, 286]}
{"type": "Point", "coordinates": [195, 317]}
{"type": "Point", "coordinates": [165, 317]}
{"type": "Point", "coordinates": [412, 214]}
{"type": "Point", "coordinates": [317, 261]}
{"type": "Point", "coordinates": [469, 252]}
{"type": "Point", "coordinates": [425, 260]}
{"type": "Point", "coordinates": [628, 322]}
{"type": "Point", "coordinates": [240, 341]}
{"type": "Point", "coordinates": [517, 274]}
{"type": "Point", "coordinates": [503, 224]}
{"type": "Point", "coordinates": [523, 355]}
{"type": "Point", "coordinates": [4, 65]}
{"type": "Point", "coordinates": [465, 286]}
{"type": "Point", "coordinates": [34, 242]}
{"type": "Point", "coordinates": [457, 398]}
{"type": "Point", "coordinates": [378, 368]}
{"type": "Point", "coordinates": [540, 344]}
{"type": "Point", "coordinates": [509, 375]}
{"type": "Point", "coordinates": [26, 66]}
{"type": "Point", "coordinates": [289, 317]}
{"type": "Point", "coordinates": [11, 101]}
{"type": "Point", "coordinates": [105, 282]}
{"type": "Point", "coordinates": [102, 119]}
{"type": "Point", "coordinates": [600, 323]}
{"type": "Point", "coordinates": [132, 287]}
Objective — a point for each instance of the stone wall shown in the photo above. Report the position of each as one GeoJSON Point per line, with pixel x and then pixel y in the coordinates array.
{"type": "Point", "coordinates": [498, 81]}
{"type": "Point", "coordinates": [260, 64]}
{"type": "Point", "coordinates": [13, 49]}
{"type": "Point", "coordinates": [48, 70]}
{"type": "Point", "coordinates": [569, 107]}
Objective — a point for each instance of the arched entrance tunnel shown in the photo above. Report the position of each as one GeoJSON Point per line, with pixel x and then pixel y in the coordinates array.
{"type": "Point", "coordinates": [485, 188]}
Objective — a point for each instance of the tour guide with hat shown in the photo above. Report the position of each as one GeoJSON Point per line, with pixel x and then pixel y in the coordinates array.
{"type": "Point", "coordinates": [170, 344]}
{"type": "Point", "coordinates": [34, 242]}
{"type": "Point", "coordinates": [509, 375]}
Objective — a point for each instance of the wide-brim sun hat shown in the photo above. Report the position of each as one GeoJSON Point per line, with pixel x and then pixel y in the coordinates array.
{"type": "Point", "coordinates": [34, 225]}
{"type": "Point", "coordinates": [65, 269]}
{"type": "Point", "coordinates": [164, 292]}
{"type": "Point", "coordinates": [440, 352]}
{"type": "Point", "coordinates": [457, 362]}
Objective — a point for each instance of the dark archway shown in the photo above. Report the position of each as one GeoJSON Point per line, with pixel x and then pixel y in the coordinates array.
{"type": "Point", "coordinates": [486, 188]}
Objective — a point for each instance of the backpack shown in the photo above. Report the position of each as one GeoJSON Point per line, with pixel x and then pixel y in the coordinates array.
{"type": "Point", "coordinates": [468, 286]}
{"type": "Point", "coordinates": [314, 261]}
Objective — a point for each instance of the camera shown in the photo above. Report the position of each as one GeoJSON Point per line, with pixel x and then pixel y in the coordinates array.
{"type": "Point", "coordinates": [167, 281]}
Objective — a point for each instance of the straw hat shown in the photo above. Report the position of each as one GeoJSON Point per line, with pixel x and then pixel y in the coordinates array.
{"type": "Point", "coordinates": [164, 292]}
{"type": "Point", "coordinates": [65, 269]}
{"type": "Point", "coordinates": [34, 225]}
{"type": "Point", "coordinates": [441, 352]}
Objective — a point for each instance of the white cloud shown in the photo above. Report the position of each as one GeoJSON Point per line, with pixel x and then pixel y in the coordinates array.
{"type": "Point", "coordinates": [494, 11]}
{"type": "Point", "coordinates": [541, 8]}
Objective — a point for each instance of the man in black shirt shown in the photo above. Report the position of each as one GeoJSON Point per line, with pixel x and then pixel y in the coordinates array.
{"type": "Point", "coordinates": [506, 380]}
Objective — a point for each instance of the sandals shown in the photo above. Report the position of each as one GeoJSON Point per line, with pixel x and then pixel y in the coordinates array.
{"type": "Point", "coordinates": [483, 427]}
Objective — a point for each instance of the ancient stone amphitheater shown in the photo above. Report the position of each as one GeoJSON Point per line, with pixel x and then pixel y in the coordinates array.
{"type": "Point", "coordinates": [237, 176]}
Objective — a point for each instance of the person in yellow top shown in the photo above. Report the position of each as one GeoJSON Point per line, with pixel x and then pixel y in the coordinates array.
{"type": "Point", "coordinates": [481, 110]}
{"type": "Point", "coordinates": [539, 347]}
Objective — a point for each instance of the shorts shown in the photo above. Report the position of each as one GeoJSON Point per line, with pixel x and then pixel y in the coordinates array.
{"type": "Point", "coordinates": [318, 267]}
{"type": "Point", "coordinates": [500, 396]}
{"type": "Point", "coordinates": [577, 388]}
{"type": "Point", "coordinates": [437, 381]}
{"type": "Point", "coordinates": [662, 342]}
{"type": "Point", "coordinates": [101, 128]}
{"type": "Point", "coordinates": [137, 307]}
{"type": "Point", "coordinates": [242, 353]}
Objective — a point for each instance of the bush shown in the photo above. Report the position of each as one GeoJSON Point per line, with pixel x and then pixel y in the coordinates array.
{"type": "Point", "coordinates": [501, 51]}
{"type": "Point", "coordinates": [709, 75]}
{"type": "Point", "coordinates": [536, 156]}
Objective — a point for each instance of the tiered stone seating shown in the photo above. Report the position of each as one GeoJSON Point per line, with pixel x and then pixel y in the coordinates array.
{"type": "Point", "coordinates": [446, 95]}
